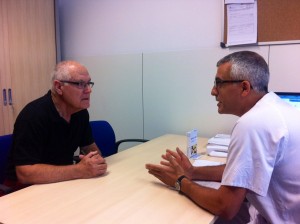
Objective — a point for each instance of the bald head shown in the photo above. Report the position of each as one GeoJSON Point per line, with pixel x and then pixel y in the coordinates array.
{"type": "Point", "coordinates": [65, 70]}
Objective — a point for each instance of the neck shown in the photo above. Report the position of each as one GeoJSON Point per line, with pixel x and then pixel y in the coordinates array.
{"type": "Point", "coordinates": [61, 107]}
{"type": "Point", "coordinates": [251, 101]}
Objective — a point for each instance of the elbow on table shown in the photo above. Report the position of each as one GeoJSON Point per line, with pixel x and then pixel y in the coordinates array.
{"type": "Point", "coordinates": [226, 210]}
{"type": "Point", "coordinates": [24, 174]}
{"type": "Point", "coordinates": [230, 201]}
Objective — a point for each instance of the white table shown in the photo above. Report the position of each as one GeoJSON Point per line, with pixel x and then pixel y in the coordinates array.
{"type": "Point", "coordinates": [127, 194]}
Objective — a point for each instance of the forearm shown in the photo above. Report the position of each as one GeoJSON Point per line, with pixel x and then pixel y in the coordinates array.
{"type": "Point", "coordinates": [86, 149]}
{"type": "Point", "coordinates": [44, 173]}
{"type": "Point", "coordinates": [203, 196]}
{"type": "Point", "coordinates": [209, 173]}
{"type": "Point", "coordinates": [91, 165]}
{"type": "Point", "coordinates": [224, 202]}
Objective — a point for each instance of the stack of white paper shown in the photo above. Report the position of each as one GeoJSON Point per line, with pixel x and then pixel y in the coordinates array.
{"type": "Point", "coordinates": [218, 145]}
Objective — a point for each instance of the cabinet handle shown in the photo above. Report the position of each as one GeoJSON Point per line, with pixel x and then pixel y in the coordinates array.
{"type": "Point", "coordinates": [4, 97]}
{"type": "Point", "coordinates": [9, 97]}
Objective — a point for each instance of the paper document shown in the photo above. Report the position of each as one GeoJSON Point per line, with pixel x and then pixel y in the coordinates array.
{"type": "Point", "coordinates": [218, 154]}
{"type": "Point", "coordinates": [219, 148]}
{"type": "Point", "coordinates": [218, 145]}
{"type": "Point", "coordinates": [202, 162]}
{"type": "Point", "coordinates": [220, 139]}
{"type": "Point", "coordinates": [238, 1]}
{"type": "Point", "coordinates": [211, 184]}
{"type": "Point", "coordinates": [241, 24]}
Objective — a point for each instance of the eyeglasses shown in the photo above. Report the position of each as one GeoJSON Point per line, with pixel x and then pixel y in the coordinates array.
{"type": "Point", "coordinates": [219, 82]}
{"type": "Point", "coordinates": [80, 84]}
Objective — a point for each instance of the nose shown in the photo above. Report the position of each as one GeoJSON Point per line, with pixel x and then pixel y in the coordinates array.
{"type": "Point", "coordinates": [87, 89]}
{"type": "Point", "coordinates": [214, 91]}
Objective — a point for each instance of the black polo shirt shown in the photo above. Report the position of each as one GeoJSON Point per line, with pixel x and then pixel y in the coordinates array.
{"type": "Point", "coordinates": [42, 136]}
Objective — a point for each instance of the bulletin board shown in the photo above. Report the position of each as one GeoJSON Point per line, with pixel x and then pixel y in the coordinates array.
{"type": "Point", "coordinates": [278, 22]}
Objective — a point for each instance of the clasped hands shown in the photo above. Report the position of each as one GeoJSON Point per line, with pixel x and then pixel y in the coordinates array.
{"type": "Point", "coordinates": [174, 165]}
{"type": "Point", "coordinates": [92, 164]}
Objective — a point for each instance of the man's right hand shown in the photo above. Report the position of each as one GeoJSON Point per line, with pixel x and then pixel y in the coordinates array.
{"type": "Point", "coordinates": [182, 160]}
{"type": "Point", "coordinates": [92, 165]}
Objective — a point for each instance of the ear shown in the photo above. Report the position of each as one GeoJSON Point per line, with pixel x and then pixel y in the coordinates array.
{"type": "Point", "coordinates": [58, 87]}
{"type": "Point", "coordinates": [246, 88]}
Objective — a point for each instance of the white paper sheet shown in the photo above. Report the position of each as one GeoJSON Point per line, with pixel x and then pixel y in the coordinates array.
{"type": "Point", "coordinates": [238, 1]}
{"type": "Point", "coordinates": [241, 24]}
{"type": "Point", "coordinates": [210, 184]}
{"type": "Point", "coordinates": [202, 162]}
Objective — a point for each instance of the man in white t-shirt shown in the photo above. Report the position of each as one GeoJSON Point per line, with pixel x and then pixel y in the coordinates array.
{"type": "Point", "coordinates": [264, 152]}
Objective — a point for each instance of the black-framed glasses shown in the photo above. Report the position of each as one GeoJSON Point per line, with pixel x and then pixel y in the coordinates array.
{"type": "Point", "coordinates": [219, 82]}
{"type": "Point", "coordinates": [80, 84]}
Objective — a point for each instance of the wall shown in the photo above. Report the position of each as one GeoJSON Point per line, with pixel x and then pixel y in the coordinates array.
{"type": "Point", "coordinates": [153, 63]}
{"type": "Point", "coordinates": [97, 27]}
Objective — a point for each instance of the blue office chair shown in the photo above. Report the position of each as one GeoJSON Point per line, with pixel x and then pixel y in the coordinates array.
{"type": "Point", "coordinates": [5, 144]}
{"type": "Point", "coordinates": [105, 138]}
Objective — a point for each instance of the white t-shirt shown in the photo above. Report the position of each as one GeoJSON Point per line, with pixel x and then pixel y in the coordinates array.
{"type": "Point", "coordinates": [264, 157]}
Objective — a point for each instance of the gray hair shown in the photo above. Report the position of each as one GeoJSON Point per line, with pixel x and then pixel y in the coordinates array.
{"type": "Point", "coordinates": [250, 66]}
{"type": "Point", "coordinates": [65, 70]}
{"type": "Point", "coordinates": [62, 71]}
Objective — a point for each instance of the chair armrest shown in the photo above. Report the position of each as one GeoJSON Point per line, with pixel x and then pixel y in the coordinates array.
{"type": "Point", "coordinates": [118, 143]}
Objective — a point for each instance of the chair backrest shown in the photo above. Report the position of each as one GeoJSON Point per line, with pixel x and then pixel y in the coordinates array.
{"type": "Point", "coordinates": [5, 144]}
{"type": "Point", "coordinates": [104, 136]}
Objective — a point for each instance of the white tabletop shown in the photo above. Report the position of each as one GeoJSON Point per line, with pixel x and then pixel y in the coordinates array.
{"type": "Point", "coordinates": [127, 194]}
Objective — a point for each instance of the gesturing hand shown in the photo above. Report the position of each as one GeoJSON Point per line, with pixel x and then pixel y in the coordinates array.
{"type": "Point", "coordinates": [181, 159]}
{"type": "Point", "coordinates": [169, 170]}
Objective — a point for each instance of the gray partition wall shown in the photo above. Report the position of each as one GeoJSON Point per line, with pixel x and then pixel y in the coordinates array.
{"type": "Point", "coordinates": [154, 65]}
